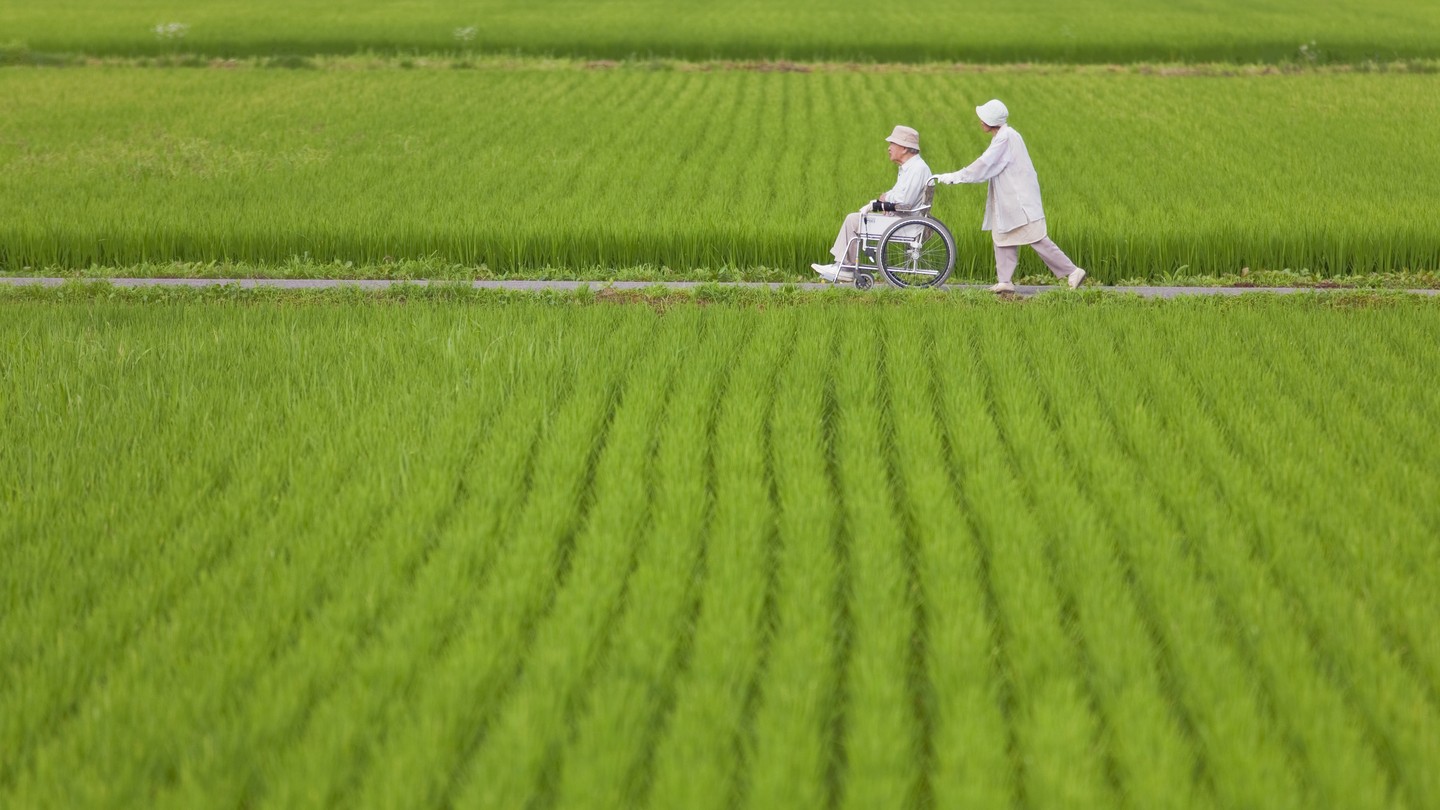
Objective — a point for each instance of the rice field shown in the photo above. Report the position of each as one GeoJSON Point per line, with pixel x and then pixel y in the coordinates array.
{"type": "Point", "coordinates": [515, 168]}
{"type": "Point", "coordinates": [1091, 31]}
{"type": "Point", "coordinates": [460, 549]}
{"type": "Point", "coordinates": [441, 547]}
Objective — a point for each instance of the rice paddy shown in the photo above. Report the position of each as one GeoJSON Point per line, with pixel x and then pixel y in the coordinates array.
{"type": "Point", "coordinates": [921, 30]}
{"type": "Point", "coordinates": [526, 167]}
{"type": "Point", "coordinates": [443, 547]}
{"type": "Point", "coordinates": [464, 549]}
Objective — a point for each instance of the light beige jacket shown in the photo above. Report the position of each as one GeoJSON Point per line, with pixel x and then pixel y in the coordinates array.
{"type": "Point", "coordinates": [1014, 196]}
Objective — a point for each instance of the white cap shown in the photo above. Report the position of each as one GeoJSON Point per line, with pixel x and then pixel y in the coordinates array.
{"type": "Point", "coordinates": [993, 113]}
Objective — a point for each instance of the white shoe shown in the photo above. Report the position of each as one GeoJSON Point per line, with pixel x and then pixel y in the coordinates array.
{"type": "Point", "coordinates": [1075, 278]}
{"type": "Point", "coordinates": [1003, 286]}
{"type": "Point", "coordinates": [829, 272]}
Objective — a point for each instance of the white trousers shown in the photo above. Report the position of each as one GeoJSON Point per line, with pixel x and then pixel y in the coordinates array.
{"type": "Point", "coordinates": [1007, 257]}
{"type": "Point", "coordinates": [854, 225]}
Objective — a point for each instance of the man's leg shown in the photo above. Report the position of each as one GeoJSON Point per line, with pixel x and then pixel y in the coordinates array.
{"type": "Point", "coordinates": [1054, 258]}
{"type": "Point", "coordinates": [844, 249]}
{"type": "Point", "coordinates": [1005, 260]}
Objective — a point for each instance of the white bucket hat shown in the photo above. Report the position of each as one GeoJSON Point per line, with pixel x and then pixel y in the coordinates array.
{"type": "Point", "coordinates": [906, 137]}
{"type": "Point", "coordinates": [993, 113]}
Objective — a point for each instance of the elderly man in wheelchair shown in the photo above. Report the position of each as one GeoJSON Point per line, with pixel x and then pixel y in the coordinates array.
{"type": "Point", "coordinates": [895, 233]}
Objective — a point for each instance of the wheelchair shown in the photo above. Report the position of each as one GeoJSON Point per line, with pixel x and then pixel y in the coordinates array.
{"type": "Point", "coordinates": [910, 249]}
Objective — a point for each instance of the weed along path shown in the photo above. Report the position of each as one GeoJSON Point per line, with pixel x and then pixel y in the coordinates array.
{"type": "Point", "coordinates": [523, 285]}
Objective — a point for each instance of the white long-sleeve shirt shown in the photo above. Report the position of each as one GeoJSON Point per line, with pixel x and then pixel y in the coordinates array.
{"type": "Point", "coordinates": [1013, 199]}
{"type": "Point", "coordinates": [910, 184]}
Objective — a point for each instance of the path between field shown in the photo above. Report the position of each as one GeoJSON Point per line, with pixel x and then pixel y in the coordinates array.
{"type": "Point", "coordinates": [517, 284]}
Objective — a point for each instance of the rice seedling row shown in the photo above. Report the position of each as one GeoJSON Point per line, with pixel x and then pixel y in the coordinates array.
{"type": "Point", "coordinates": [605, 761]}
{"type": "Point", "coordinates": [725, 174]}
{"type": "Point", "coordinates": [1144, 476]}
{"type": "Point", "coordinates": [701, 755]}
{"type": "Point", "coordinates": [901, 551]}
{"type": "Point", "coordinates": [562, 657]}
{"type": "Point", "coordinates": [117, 591]}
{"type": "Point", "coordinates": [324, 762]}
{"type": "Point", "coordinates": [1317, 727]}
{"type": "Point", "coordinates": [925, 30]}
{"type": "Point", "coordinates": [1351, 774]}
{"type": "Point", "coordinates": [1392, 587]}
{"type": "Point", "coordinates": [199, 622]}
{"type": "Point", "coordinates": [799, 715]}
{"type": "Point", "coordinates": [427, 755]}
{"type": "Point", "coordinates": [1149, 750]}
{"type": "Point", "coordinates": [882, 742]}
{"type": "Point", "coordinates": [1304, 706]}
{"type": "Point", "coordinates": [962, 692]}
{"type": "Point", "coordinates": [1055, 724]}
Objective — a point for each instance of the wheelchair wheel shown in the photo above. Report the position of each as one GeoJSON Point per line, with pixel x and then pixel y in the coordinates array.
{"type": "Point", "coordinates": [864, 281]}
{"type": "Point", "coordinates": [917, 252]}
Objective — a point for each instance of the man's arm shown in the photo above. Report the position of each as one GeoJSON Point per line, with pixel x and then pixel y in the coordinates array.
{"type": "Point", "coordinates": [985, 168]}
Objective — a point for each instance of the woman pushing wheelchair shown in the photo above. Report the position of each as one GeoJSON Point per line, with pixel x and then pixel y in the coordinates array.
{"type": "Point", "coordinates": [1013, 212]}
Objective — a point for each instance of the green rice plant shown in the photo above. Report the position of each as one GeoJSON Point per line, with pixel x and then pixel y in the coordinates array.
{"type": "Point", "coordinates": [1392, 585]}
{"type": "Point", "coordinates": [697, 758]}
{"type": "Point", "coordinates": [590, 599]}
{"type": "Point", "coordinates": [325, 759]}
{"type": "Point", "coordinates": [417, 172]}
{"type": "Point", "coordinates": [341, 629]}
{"type": "Point", "coordinates": [422, 759]}
{"type": "Point", "coordinates": [605, 762]}
{"type": "Point", "coordinates": [1151, 758]}
{"type": "Point", "coordinates": [1344, 763]}
{"type": "Point", "coordinates": [1371, 672]}
{"type": "Point", "coordinates": [1148, 475]}
{"type": "Point", "coordinates": [793, 752]}
{"type": "Point", "coordinates": [119, 591]}
{"type": "Point", "coordinates": [981, 31]}
{"type": "Point", "coordinates": [141, 704]}
{"type": "Point", "coordinates": [882, 729]}
{"type": "Point", "coordinates": [1321, 730]}
{"type": "Point", "coordinates": [1054, 722]}
{"type": "Point", "coordinates": [444, 546]}
{"type": "Point", "coordinates": [962, 702]}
